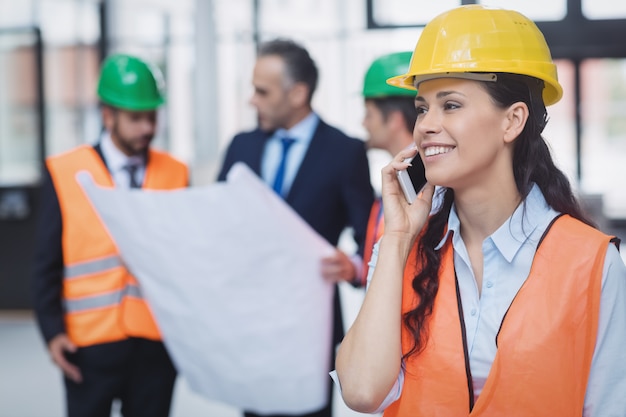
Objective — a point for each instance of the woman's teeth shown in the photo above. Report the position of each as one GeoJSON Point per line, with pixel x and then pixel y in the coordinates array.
{"type": "Point", "coordinates": [436, 150]}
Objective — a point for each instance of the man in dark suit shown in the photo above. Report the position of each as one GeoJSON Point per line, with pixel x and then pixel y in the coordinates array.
{"type": "Point", "coordinates": [320, 172]}
{"type": "Point", "coordinates": [97, 327]}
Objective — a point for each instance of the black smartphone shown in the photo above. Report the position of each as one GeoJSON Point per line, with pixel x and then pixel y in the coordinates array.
{"type": "Point", "coordinates": [413, 178]}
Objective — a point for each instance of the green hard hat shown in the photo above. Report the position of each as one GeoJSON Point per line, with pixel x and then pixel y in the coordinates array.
{"type": "Point", "coordinates": [128, 83]}
{"type": "Point", "coordinates": [387, 66]}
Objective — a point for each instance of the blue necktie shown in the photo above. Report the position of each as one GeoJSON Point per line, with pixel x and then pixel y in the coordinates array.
{"type": "Point", "coordinates": [132, 175]}
{"type": "Point", "coordinates": [280, 172]}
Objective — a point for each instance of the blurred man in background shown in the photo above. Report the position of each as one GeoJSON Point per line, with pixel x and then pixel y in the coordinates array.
{"type": "Point", "coordinates": [389, 120]}
{"type": "Point", "coordinates": [319, 171]}
{"type": "Point", "coordinates": [98, 328]}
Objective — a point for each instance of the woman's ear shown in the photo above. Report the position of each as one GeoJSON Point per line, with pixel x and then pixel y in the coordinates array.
{"type": "Point", "coordinates": [516, 117]}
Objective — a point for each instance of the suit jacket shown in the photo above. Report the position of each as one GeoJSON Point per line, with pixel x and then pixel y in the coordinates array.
{"type": "Point", "coordinates": [331, 190]}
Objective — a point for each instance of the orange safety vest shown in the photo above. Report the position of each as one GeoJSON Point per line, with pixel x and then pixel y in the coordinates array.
{"type": "Point", "coordinates": [102, 300]}
{"type": "Point", "coordinates": [375, 229]}
{"type": "Point", "coordinates": [545, 343]}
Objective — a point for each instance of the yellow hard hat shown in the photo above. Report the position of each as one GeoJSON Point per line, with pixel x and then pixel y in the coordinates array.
{"type": "Point", "coordinates": [476, 39]}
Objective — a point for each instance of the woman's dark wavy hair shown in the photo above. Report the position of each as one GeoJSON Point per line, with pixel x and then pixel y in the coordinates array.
{"type": "Point", "coordinates": [532, 164]}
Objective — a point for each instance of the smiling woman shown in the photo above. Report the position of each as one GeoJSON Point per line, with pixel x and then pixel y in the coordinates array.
{"type": "Point", "coordinates": [465, 293]}
{"type": "Point", "coordinates": [463, 143]}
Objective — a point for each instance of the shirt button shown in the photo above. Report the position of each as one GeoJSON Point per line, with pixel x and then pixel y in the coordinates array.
{"type": "Point", "coordinates": [473, 312]}
{"type": "Point", "coordinates": [489, 284]}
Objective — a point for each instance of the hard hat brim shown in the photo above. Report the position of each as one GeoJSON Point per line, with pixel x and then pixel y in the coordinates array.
{"type": "Point", "coordinates": [552, 92]}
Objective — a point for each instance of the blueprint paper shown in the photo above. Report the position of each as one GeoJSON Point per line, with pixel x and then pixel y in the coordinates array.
{"type": "Point", "coordinates": [231, 273]}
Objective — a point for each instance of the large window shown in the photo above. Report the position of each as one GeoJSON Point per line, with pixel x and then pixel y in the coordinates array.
{"type": "Point", "coordinates": [19, 108]}
{"type": "Point", "coordinates": [603, 111]}
{"type": "Point", "coordinates": [604, 9]}
{"type": "Point", "coordinates": [162, 32]}
{"type": "Point", "coordinates": [388, 13]}
{"type": "Point", "coordinates": [402, 12]}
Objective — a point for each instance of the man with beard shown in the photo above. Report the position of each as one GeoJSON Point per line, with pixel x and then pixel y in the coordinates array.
{"type": "Point", "coordinates": [97, 327]}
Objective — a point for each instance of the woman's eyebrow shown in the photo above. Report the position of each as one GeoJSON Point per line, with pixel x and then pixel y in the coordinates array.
{"type": "Point", "coordinates": [439, 95]}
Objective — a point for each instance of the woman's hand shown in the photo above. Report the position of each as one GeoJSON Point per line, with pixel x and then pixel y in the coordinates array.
{"type": "Point", "coordinates": [401, 218]}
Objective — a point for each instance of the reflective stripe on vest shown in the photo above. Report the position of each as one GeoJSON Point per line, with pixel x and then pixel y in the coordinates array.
{"type": "Point", "coordinates": [545, 343]}
{"type": "Point", "coordinates": [91, 267]}
{"type": "Point", "coordinates": [102, 299]}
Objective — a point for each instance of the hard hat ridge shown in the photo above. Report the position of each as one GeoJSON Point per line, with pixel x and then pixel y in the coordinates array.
{"type": "Point", "coordinates": [129, 83]}
{"type": "Point", "coordinates": [386, 66]}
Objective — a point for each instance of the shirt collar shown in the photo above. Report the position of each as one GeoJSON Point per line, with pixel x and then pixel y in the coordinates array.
{"type": "Point", "coordinates": [115, 159]}
{"type": "Point", "coordinates": [301, 132]}
{"type": "Point", "coordinates": [514, 232]}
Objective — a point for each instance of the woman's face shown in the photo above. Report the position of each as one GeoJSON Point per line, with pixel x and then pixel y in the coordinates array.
{"type": "Point", "coordinates": [460, 134]}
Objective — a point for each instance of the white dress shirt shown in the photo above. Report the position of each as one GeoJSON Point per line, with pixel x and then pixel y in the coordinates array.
{"type": "Point", "coordinates": [302, 133]}
{"type": "Point", "coordinates": [116, 162]}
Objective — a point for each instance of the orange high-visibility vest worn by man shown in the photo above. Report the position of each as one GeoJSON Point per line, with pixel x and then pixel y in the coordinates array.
{"type": "Point", "coordinates": [98, 328]}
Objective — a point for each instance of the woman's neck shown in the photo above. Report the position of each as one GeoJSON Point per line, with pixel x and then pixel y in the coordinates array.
{"type": "Point", "coordinates": [483, 210]}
